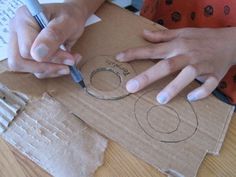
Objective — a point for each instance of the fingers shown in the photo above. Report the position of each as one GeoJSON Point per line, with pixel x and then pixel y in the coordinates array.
{"type": "Point", "coordinates": [204, 90]}
{"type": "Point", "coordinates": [170, 45]}
{"type": "Point", "coordinates": [158, 71]}
{"type": "Point", "coordinates": [61, 57]}
{"type": "Point", "coordinates": [50, 38]}
{"type": "Point", "coordinates": [160, 36]}
{"type": "Point", "coordinates": [41, 70]}
{"type": "Point", "coordinates": [26, 29]}
{"type": "Point", "coordinates": [26, 36]}
{"type": "Point", "coordinates": [166, 46]}
{"type": "Point", "coordinates": [184, 78]}
{"type": "Point", "coordinates": [147, 52]}
{"type": "Point", "coordinates": [53, 72]}
{"type": "Point", "coordinates": [157, 51]}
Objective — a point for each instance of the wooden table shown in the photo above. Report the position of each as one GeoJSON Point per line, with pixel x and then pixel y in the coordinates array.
{"type": "Point", "coordinates": [120, 163]}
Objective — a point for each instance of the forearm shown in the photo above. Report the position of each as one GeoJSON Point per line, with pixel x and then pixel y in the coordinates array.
{"type": "Point", "coordinates": [87, 6]}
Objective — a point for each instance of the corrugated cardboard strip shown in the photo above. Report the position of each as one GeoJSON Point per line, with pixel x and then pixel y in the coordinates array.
{"type": "Point", "coordinates": [11, 103]}
{"type": "Point", "coordinates": [173, 138]}
{"type": "Point", "coordinates": [50, 136]}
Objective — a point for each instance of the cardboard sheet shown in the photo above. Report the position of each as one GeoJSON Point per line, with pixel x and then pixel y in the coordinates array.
{"type": "Point", "coordinates": [56, 140]}
{"type": "Point", "coordinates": [173, 138]}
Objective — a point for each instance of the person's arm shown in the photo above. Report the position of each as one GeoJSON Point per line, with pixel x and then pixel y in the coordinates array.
{"type": "Point", "coordinates": [37, 52]}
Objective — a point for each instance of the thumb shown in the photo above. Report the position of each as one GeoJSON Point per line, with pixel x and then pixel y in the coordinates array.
{"type": "Point", "coordinates": [50, 38]}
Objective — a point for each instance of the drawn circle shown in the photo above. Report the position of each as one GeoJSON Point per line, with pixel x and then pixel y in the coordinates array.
{"type": "Point", "coordinates": [104, 86]}
{"type": "Point", "coordinates": [105, 63]}
{"type": "Point", "coordinates": [172, 123]}
{"type": "Point", "coordinates": [153, 120]}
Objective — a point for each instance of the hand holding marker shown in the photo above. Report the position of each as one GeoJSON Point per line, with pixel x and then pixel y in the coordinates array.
{"type": "Point", "coordinates": [37, 12]}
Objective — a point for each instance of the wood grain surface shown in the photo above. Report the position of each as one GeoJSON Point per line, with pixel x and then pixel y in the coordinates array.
{"type": "Point", "coordinates": [120, 163]}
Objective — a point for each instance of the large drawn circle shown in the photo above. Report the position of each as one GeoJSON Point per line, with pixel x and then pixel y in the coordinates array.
{"type": "Point", "coordinates": [184, 126]}
{"type": "Point", "coordinates": [124, 72]}
{"type": "Point", "coordinates": [158, 123]}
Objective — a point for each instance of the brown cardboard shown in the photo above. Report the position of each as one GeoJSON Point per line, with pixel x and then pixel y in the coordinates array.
{"type": "Point", "coordinates": [173, 138]}
{"type": "Point", "coordinates": [49, 135]}
{"type": "Point", "coordinates": [11, 103]}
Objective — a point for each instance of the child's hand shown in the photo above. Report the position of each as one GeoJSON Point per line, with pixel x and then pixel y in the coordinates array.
{"type": "Point", "coordinates": [38, 52]}
{"type": "Point", "coordinates": [206, 54]}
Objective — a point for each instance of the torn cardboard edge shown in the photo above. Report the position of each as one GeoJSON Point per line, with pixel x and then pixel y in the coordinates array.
{"type": "Point", "coordinates": [73, 148]}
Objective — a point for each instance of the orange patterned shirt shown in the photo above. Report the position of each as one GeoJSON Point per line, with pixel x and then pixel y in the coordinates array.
{"type": "Point", "coordinates": [196, 13]}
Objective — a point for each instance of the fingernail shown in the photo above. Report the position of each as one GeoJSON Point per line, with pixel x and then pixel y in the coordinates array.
{"type": "Point", "coordinates": [69, 62]}
{"type": "Point", "coordinates": [63, 71]}
{"type": "Point", "coordinates": [162, 98]}
{"type": "Point", "coordinates": [120, 56]}
{"type": "Point", "coordinates": [191, 97]}
{"type": "Point", "coordinates": [194, 96]}
{"type": "Point", "coordinates": [41, 51]}
{"type": "Point", "coordinates": [147, 31]}
{"type": "Point", "coordinates": [132, 86]}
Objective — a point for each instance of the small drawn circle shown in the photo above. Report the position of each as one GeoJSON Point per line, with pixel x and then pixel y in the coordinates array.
{"type": "Point", "coordinates": [181, 123]}
{"type": "Point", "coordinates": [106, 67]}
{"type": "Point", "coordinates": [98, 81]}
{"type": "Point", "coordinates": [161, 123]}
